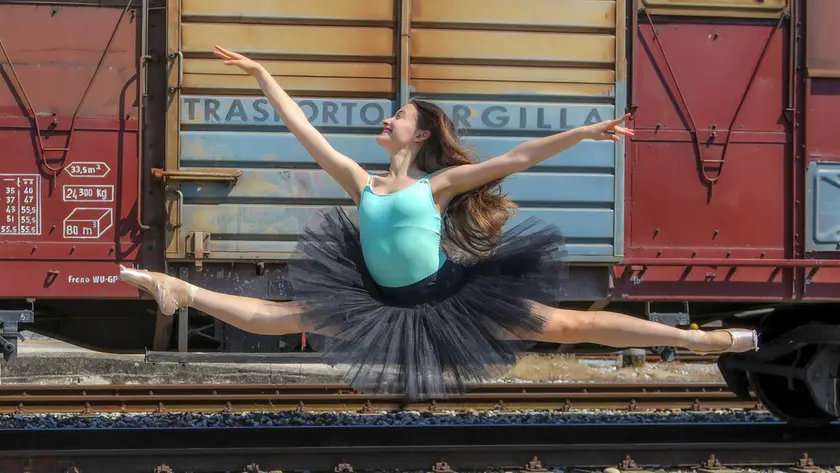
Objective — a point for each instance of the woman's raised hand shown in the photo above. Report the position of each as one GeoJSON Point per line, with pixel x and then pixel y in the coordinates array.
{"type": "Point", "coordinates": [609, 130]}
{"type": "Point", "coordinates": [235, 59]}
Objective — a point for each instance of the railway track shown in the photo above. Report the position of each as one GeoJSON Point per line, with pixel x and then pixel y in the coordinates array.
{"type": "Point", "coordinates": [325, 398]}
{"type": "Point", "coordinates": [525, 443]}
{"type": "Point", "coordinates": [686, 358]}
{"type": "Point", "coordinates": [437, 449]}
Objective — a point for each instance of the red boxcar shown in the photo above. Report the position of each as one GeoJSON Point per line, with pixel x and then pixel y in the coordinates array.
{"type": "Point", "coordinates": [731, 187]}
{"type": "Point", "coordinates": [69, 136]}
{"type": "Point", "coordinates": [729, 127]}
{"type": "Point", "coordinates": [70, 117]}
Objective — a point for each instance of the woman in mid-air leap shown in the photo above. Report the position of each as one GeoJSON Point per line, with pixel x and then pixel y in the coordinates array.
{"type": "Point", "coordinates": [427, 292]}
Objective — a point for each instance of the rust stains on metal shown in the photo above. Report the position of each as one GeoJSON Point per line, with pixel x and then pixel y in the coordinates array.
{"type": "Point", "coordinates": [295, 76]}
{"type": "Point", "coordinates": [474, 45]}
{"type": "Point", "coordinates": [382, 53]}
{"type": "Point", "coordinates": [303, 31]}
{"type": "Point", "coordinates": [319, 49]}
{"type": "Point", "coordinates": [519, 13]}
{"type": "Point", "coordinates": [449, 78]}
{"type": "Point", "coordinates": [309, 85]}
{"type": "Point", "coordinates": [718, 8]}
{"type": "Point", "coordinates": [512, 88]}
{"type": "Point", "coordinates": [502, 47]}
{"type": "Point", "coordinates": [297, 68]}
{"type": "Point", "coordinates": [512, 73]}
{"type": "Point", "coordinates": [216, 175]}
{"type": "Point", "coordinates": [310, 10]}
{"type": "Point", "coordinates": [822, 38]}
{"type": "Point", "coordinates": [325, 397]}
{"type": "Point", "coordinates": [289, 39]}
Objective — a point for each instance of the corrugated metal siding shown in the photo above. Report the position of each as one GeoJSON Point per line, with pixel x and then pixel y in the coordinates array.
{"type": "Point", "coordinates": [506, 74]}
{"type": "Point", "coordinates": [508, 71]}
{"type": "Point", "coordinates": [317, 46]}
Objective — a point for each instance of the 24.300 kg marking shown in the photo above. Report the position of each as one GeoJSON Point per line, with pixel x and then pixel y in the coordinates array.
{"type": "Point", "coordinates": [88, 193]}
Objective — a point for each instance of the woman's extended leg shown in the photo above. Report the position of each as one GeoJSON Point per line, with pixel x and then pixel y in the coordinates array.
{"type": "Point", "coordinates": [246, 313]}
{"type": "Point", "coordinates": [623, 331]}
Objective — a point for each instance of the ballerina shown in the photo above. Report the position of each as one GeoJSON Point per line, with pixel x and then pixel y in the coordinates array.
{"type": "Point", "coordinates": [425, 291]}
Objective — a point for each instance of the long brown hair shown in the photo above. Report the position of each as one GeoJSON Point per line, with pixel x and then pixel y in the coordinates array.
{"type": "Point", "coordinates": [474, 219]}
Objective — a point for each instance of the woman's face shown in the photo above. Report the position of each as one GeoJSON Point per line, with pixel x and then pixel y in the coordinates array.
{"type": "Point", "coordinates": [400, 131]}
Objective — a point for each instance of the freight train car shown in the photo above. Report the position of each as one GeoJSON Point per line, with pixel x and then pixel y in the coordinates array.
{"type": "Point", "coordinates": [123, 140]}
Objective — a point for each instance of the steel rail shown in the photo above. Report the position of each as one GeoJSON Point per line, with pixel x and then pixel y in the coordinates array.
{"type": "Point", "coordinates": [440, 449]}
{"type": "Point", "coordinates": [23, 399]}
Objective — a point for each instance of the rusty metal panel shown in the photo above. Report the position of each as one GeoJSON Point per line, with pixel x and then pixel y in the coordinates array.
{"type": "Point", "coordinates": [309, 32]}
{"type": "Point", "coordinates": [500, 62]}
{"type": "Point", "coordinates": [530, 68]}
{"type": "Point", "coordinates": [511, 80]}
{"type": "Point", "coordinates": [822, 37]}
{"type": "Point", "coordinates": [507, 46]}
{"type": "Point", "coordinates": [718, 8]}
{"type": "Point", "coordinates": [688, 121]}
{"type": "Point", "coordinates": [436, 87]}
{"type": "Point", "coordinates": [252, 231]}
{"type": "Point", "coordinates": [585, 207]}
{"type": "Point", "coordinates": [519, 13]}
{"type": "Point", "coordinates": [296, 76]}
{"type": "Point", "coordinates": [310, 10]}
{"type": "Point", "coordinates": [289, 40]}
{"type": "Point", "coordinates": [250, 219]}
{"type": "Point", "coordinates": [309, 185]}
{"type": "Point", "coordinates": [256, 149]}
{"type": "Point", "coordinates": [316, 49]}
{"type": "Point", "coordinates": [309, 85]}
{"type": "Point", "coordinates": [68, 185]}
{"type": "Point", "coordinates": [512, 74]}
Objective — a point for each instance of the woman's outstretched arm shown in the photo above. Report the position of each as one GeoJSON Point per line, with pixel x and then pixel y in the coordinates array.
{"type": "Point", "coordinates": [347, 172]}
{"type": "Point", "coordinates": [459, 179]}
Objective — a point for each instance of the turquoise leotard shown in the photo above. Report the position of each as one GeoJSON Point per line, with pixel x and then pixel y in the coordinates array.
{"type": "Point", "coordinates": [400, 234]}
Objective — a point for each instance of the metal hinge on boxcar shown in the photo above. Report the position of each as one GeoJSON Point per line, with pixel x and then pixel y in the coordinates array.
{"type": "Point", "coordinates": [9, 333]}
{"type": "Point", "coordinates": [198, 246]}
{"type": "Point", "coordinates": [218, 175]}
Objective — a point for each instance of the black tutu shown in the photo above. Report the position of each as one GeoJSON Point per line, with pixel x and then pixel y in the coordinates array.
{"type": "Point", "coordinates": [463, 325]}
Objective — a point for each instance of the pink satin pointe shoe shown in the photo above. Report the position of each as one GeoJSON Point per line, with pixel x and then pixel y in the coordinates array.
{"type": "Point", "coordinates": [742, 340]}
{"type": "Point", "coordinates": [169, 294]}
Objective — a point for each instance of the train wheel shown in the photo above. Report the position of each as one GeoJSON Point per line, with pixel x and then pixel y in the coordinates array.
{"type": "Point", "coordinates": [791, 399]}
{"type": "Point", "coordinates": [795, 407]}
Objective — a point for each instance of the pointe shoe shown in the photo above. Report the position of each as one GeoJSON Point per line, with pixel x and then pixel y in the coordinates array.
{"type": "Point", "coordinates": [742, 340]}
{"type": "Point", "coordinates": [170, 296]}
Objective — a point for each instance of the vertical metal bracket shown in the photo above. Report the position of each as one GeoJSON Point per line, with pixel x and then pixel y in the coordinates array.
{"type": "Point", "coordinates": [183, 315]}
{"type": "Point", "coordinates": [404, 55]}
{"type": "Point", "coordinates": [198, 246]}
{"type": "Point", "coordinates": [9, 334]}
